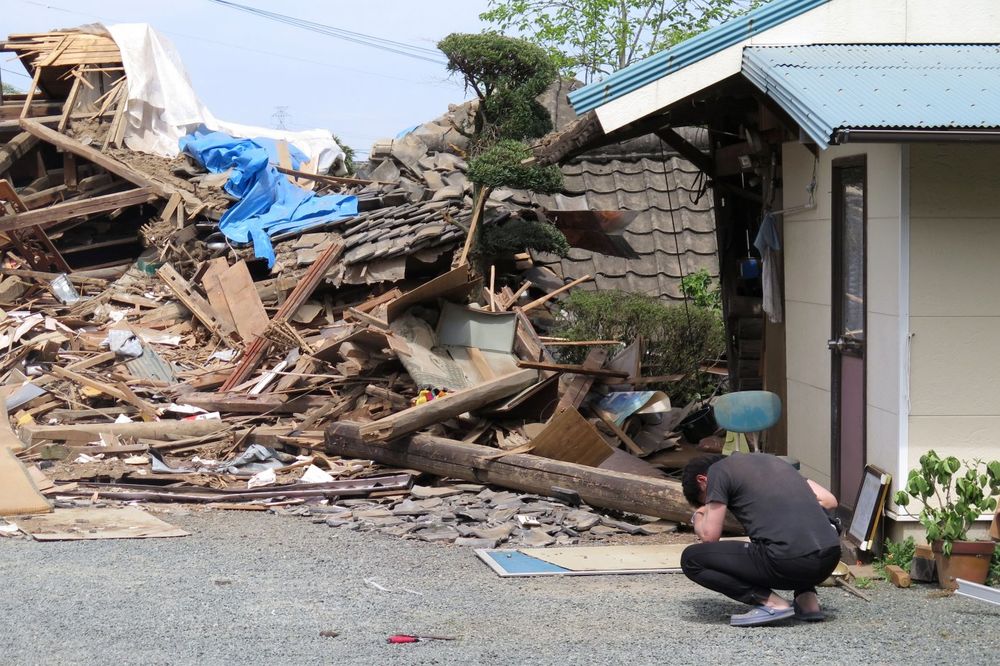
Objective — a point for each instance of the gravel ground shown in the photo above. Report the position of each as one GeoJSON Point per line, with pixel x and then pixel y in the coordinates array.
{"type": "Point", "coordinates": [254, 588]}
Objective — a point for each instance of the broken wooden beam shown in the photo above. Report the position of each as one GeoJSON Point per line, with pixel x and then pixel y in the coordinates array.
{"type": "Point", "coordinates": [87, 432]}
{"type": "Point", "coordinates": [552, 294]}
{"type": "Point", "coordinates": [444, 457]}
{"type": "Point", "coordinates": [575, 369]}
{"type": "Point", "coordinates": [72, 209]}
{"type": "Point", "coordinates": [441, 409]}
{"type": "Point", "coordinates": [66, 143]}
{"type": "Point", "coordinates": [15, 149]}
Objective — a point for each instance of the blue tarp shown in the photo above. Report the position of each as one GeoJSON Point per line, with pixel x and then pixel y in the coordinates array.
{"type": "Point", "coordinates": [269, 203]}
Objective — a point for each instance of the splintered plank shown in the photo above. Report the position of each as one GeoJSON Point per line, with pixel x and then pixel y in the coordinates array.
{"type": "Point", "coordinates": [198, 306]}
{"type": "Point", "coordinates": [256, 351]}
{"type": "Point", "coordinates": [579, 386]}
{"type": "Point", "coordinates": [71, 209]}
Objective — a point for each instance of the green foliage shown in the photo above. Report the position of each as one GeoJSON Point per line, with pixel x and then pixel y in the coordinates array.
{"type": "Point", "coordinates": [592, 38]}
{"type": "Point", "coordinates": [518, 235]}
{"type": "Point", "coordinates": [993, 578]}
{"type": "Point", "coordinates": [348, 155]}
{"type": "Point", "coordinates": [509, 115]}
{"type": "Point", "coordinates": [11, 90]}
{"type": "Point", "coordinates": [863, 582]}
{"type": "Point", "coordinates": [507, 75]}
{"type": "Point", "coordinates": [500, 166]}
{"type": "Point", "coordinates": [901, 554]}
{"type": "Point", "coordinates": [951, 501]}
{"type": "Point", "coordinates": [698, 287]}
{"type": "Point", "coordinates": [676, 338]}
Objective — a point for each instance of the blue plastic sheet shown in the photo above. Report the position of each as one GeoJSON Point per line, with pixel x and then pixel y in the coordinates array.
{"type": "Point", "coordinates": [269, 203]}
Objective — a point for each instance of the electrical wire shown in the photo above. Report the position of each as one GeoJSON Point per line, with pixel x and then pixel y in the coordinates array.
{"type": "Point", "coordinates": [392, 46]}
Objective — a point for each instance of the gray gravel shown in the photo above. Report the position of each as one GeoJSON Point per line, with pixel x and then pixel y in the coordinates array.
{"type": "Point", "coordinates": [253, 588]}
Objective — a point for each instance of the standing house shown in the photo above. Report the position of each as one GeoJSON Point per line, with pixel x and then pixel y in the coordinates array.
{"type": "Point", "coordinates": [870, 129]}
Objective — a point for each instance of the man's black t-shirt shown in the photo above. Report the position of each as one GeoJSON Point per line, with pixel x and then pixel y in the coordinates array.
{"type": "Point", "coordinates": [773, 502]}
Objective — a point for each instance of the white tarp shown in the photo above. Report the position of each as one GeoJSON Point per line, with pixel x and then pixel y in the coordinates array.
{"type": "Point", "coordinates": [163, 106]}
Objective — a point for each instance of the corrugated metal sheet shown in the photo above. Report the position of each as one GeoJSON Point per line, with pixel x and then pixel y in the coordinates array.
{"type": "Point", "coordinates": [697, 48]}
{"type": "Point", "coordinates": [825, 88]}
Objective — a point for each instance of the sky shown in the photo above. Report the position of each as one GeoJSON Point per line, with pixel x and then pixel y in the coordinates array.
{"type": "Point", "coordinates": [256, 71]}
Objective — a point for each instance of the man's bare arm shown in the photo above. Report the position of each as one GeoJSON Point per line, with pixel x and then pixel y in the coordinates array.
{"type": "Point", "coordinates": [708, 521]}
{"type": "Point", "coordinates": [825, 497]}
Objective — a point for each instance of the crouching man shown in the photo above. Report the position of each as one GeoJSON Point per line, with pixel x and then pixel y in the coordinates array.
{"type": "Point", "coordinates": [793, 544]}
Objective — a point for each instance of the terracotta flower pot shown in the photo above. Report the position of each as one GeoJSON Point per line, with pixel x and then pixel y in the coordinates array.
{"type": "Point", "coordinates": [969, 560]}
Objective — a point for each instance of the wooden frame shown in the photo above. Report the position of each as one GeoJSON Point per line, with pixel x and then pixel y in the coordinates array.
{"type": "Point", "coordinates": [868, 507]}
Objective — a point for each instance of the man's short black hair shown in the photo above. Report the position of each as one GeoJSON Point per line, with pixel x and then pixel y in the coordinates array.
{"type": "Point", "coordinates": [695, 468]}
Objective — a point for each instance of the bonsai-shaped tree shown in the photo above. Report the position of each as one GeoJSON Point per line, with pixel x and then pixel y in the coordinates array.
{"type": "Point", "coordinates": [507, 76]}
{"type": "Point", "coordinates": [951, 502]}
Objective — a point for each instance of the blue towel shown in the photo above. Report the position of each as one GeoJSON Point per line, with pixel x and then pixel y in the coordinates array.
{"type": "Point", "coordinates": [269, 203]}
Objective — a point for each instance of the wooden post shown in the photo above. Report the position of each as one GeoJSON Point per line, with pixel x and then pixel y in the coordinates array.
{"type": "Point", "coordinates": [520, 471]}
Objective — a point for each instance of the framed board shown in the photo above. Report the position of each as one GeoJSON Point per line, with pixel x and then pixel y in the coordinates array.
{"type": "Point", "coordinates": [868, 507]}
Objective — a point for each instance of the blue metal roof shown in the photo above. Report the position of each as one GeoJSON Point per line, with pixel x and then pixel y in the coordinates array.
{"type": "Point", "coordinates": [677, 57]}
{"type": "Point", "coordinates": [825, 88]}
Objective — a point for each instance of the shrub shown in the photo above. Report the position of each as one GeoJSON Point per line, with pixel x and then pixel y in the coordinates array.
{"type": "Point", "coordinates": [699, 288]}
{"type": "Point", "coordinates": [500, 166]}
{"type": "Point", "coordinates": [517, 235]}
{"type": "Point", "coordinates": [676, 338]}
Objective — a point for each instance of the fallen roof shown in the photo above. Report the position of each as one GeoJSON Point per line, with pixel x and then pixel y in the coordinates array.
{"type": "Point", "coordinates": [833, 87]}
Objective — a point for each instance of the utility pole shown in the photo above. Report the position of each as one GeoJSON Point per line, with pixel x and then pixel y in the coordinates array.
{"type": "Point", "coordinates": [279, 117]}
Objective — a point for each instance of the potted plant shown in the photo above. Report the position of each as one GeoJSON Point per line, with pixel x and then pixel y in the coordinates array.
{"type": "Point", "coordinates": [952, 501]}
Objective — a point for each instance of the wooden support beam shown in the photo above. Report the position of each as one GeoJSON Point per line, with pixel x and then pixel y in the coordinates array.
{"type": "Point", "coordinates": [64, 142]}
{"type": "Point", "coordinates": [696, 157]}
{"type": "Point", "coordinates": [420, 416]}
{"type": "Point", "coordinates": [519, 471]}
{"type": "Point", "coordinates": [15, 149]}
{"type": "Point", "coordinates": [86, 432]}
{"type": "Point", "coordinates": [70, 209]}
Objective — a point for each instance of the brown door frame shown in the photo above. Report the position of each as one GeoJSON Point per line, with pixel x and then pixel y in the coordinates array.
{"type": "Point", "coordinates": [837, 317]}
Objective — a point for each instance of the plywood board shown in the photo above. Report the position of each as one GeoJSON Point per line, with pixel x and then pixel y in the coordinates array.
{"type": "Point", "coordinates": [586, 560]}
{"type": "Point", "coordinates": [612, 558]}
{"type": "Point", "coordinates": [657, 557]}
{"type": "Point", "coordinates": [129, 522]}
{"type": "Point", "coordinates": [18, 494]}
{"type": "Point", "coordinates": [571, 438]}
{"type": "Point", "coordinates": [244, 303]}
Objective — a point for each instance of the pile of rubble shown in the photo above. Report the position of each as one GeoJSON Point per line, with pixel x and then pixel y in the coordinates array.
{"type": "Point", "coordinates": [151, 357]}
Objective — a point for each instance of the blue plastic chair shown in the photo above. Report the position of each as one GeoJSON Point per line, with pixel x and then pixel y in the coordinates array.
{"type": "Point", "coordinates": [747, 411]}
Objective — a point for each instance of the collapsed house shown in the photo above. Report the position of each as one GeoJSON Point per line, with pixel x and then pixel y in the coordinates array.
{"type": "Point", "coordinates": [241, 325]}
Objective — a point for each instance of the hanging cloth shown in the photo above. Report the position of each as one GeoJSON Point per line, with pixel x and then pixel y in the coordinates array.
{"type": "Point", "coordinates": [769, 246]}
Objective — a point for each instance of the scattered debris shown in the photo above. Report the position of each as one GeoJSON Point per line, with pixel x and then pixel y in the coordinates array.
{"type": "Point", "coordinates": [350, 366]}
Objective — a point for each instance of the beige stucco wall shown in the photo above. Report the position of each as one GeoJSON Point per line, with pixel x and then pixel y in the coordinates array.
{"type": "Point", "coordinates": [807, 264]}
{"type": "Point", "coordinates": [954, 300]}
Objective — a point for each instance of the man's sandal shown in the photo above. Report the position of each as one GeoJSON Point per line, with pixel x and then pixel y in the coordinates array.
{"type": "Point", "coordinates": [814, 616]}
{"type": "Point", "coordinates": [759, 615]}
